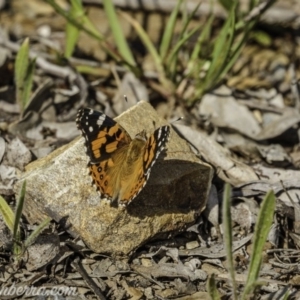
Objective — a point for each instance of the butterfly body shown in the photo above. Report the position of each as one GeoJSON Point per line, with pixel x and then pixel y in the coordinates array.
{"type": "Point", "coordinates": [119, 166]}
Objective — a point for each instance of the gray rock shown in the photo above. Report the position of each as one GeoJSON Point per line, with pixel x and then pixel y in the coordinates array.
{"type": "Point", "coordinates": [59, 186]}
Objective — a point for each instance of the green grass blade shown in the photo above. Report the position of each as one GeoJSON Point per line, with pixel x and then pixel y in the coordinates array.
{"type": "Point", "coordinates": [221, 50]}
{"type": "Point", "coordinates": [212, 288]}
{"type": "Point", "coordinates": [254, 17]}
{"type": "Point", "coordinates": [17, 250]}
{"type": "Point", "coordinates": [286, 295]}
{"type": "Point", "coordinates": [228, 236]}
{"type": "Point", "coordinates": [237, 48]}
{"type": "Point", "coordinates": [172, 59]}
{"type": "Point", "coordinates": [227, 4]}
{"type": "Point", "coordinates": [19, 209]}
{"type": "Point", "coordinates": [9, 219]}
{"type": "Point", "coordinates": [168, 32]}
{"type": "Point", "coordinates": [202, 37]}
{"type": "Point", "coordinates": [21, 66]}
{"type": "Point", "coordinates": [85, 25]}
{"type": "Point", "coordinates": [179, 44]}
{"type": "Point", "coordinates": [195, 63]}
{"type": "Point", "coordinates": [187, 19]}
{"type": "Point", "coordinates": [32, 237]}
{"type": "Point", "coordinates": [72, 35]}
{"type": "Point", "coordinates": [220, 55]}
{"type": "Point", "coordinates": [29, 82]}
{"type": "Point", "coordinates": [184, 16]}
{"type": "Point", "coordinates": [262, 228]}
{"type": "Point", "coordinates": [262, 38]}
{"type": "Point", "coordinates": [234, 55]}
{"type": "Point", "coordinates": [151, 49]}
{"type": "Point", "coordinates": [72, 32]}
{"type": "Point", "coordinates": [118, 34]}
{"type": "Point", "coordinates": [7, 214]}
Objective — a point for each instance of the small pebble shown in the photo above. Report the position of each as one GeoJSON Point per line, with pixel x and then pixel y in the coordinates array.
{"type": "Point", "coordinates": [191, 245]}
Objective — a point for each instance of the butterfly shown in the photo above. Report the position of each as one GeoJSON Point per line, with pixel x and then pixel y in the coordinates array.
{"type": "Point", "coordinates": [119, 166]}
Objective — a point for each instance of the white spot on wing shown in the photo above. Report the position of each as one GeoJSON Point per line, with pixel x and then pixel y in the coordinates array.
{"type": "Point", "coordinates": [100, 120]}
{"type": "Point", "coordinates": [159, 133]}
{"type": "Point", "coordinates": [91, 129]}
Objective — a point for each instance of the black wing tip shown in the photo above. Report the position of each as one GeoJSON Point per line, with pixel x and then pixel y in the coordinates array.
{"type": "Point", "coordinates": [80, 114]}
{"type": "Point", "coordinates": [163, 134]}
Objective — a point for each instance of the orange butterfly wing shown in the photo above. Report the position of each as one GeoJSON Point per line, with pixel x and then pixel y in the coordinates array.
{"type": "Point", "coordinates": [103, 139]}
{"type": "Point", "coordinates": [107, 145]}
{"type": "Point", "coordinates": [150, 152]}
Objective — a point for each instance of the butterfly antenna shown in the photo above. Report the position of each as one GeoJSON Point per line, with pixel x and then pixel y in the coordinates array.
{"type": "Point", "coordinates": [178, 119]}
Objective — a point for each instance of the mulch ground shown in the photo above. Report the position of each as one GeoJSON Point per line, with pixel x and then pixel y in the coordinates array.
{"type": "Point", "coordinates": [250, 129]}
